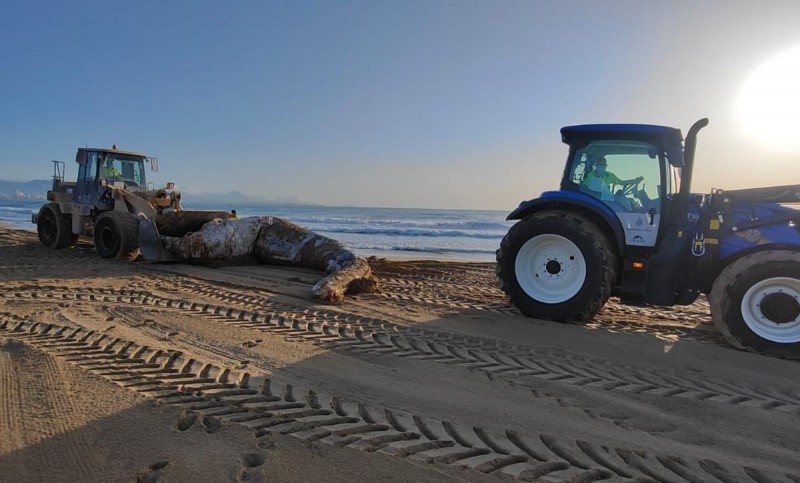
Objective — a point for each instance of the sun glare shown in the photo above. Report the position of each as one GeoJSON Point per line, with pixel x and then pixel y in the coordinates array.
{"type": "Point", "coordinates": [769, 104]}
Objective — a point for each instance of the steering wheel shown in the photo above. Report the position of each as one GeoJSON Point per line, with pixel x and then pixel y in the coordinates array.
{"type": "Point", "coordinates": [633, 188]}
{"type": "Point", "coordinates": [130, 182]}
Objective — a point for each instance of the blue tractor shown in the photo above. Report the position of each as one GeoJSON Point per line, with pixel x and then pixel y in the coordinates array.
{"type": "Point", "coordinates": [625, 223]}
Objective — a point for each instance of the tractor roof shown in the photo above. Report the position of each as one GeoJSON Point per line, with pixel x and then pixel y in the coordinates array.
{"type": "Point", "coordinates": [639, 132]}
{"type": "Point", "coordinates": [669, 138]}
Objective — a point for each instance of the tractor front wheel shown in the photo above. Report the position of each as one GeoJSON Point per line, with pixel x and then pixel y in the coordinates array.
{"type": "Point", "coordinates": [55, 228]}
{"type": "Point", "coordinates": [116, 235]}
{"type": "Point", "coordinates": [755, 303]}
{"type": "Point", "coordinates": [557, 266]}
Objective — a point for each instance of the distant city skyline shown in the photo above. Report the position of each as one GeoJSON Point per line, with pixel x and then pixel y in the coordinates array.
{"type": "Point", "coordinates": [419, 103]}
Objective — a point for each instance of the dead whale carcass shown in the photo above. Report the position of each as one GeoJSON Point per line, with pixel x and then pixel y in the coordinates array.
{"type": "Point", "coordinates": [276, 241]}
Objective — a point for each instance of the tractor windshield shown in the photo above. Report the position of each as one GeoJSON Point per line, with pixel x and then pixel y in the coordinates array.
{"type": "Point", "coordinates": [625, 175]}
{"type": "Point", "coordinates": [122, 167]}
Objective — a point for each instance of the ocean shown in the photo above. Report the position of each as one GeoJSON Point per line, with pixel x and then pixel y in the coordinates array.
{"type": "Point", "coordinates": [470, 235]}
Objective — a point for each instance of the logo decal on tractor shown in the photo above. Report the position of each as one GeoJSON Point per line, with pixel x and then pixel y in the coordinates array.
{"type": "Point", "coordinates": [753, 236]}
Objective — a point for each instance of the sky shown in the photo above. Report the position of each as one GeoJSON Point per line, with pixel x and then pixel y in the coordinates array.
{"type": "Point", "coordinates": [423, 104]}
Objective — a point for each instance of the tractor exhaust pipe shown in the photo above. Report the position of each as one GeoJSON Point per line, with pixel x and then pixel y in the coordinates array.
{"type": "Point", "coordinates": [688, 157]}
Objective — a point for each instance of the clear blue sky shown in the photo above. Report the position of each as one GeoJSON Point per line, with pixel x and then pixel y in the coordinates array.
{"type": "Point", "coordinates": [441, 104]}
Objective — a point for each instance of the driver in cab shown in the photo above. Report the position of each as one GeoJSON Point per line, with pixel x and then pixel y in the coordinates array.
{"type": "Point", "coordinates": [600, 180]}
{"type": "Point", "coordinates": [109, 170]}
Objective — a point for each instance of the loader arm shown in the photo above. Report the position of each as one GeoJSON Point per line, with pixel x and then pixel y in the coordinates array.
{"type": "Point", "coordinates": [130, 203]}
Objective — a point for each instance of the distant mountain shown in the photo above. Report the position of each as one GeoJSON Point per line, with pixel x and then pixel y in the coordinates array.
{"type": "Point", "coordinates": [37, 189]}
{"type": "Point", "coordinates": [34, 189]}
{"type": "Point", "coordinates": [229, 197]}
{"type": "Point", "coordinates": [234, 198]}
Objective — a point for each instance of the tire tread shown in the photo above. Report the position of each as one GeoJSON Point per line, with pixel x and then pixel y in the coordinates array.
{"type": "Point", "coordinates": [127, 227]}
{"type": "Point", "coordinates": [600, 243]}
{"type": "Point", "coordinates": [724, 308]}
{"type": "Point", "coordinates": [63, 226]}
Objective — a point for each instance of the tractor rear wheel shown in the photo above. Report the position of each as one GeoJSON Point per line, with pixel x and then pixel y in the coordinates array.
{"type": "Point", "coordinates": [755, 303]}
{"type": "Point", "coordinates": [55, 228]}
{"type": "Point", "coordinates": [558, 266]}
{"type": "Point", "coordinates": [116, 235]}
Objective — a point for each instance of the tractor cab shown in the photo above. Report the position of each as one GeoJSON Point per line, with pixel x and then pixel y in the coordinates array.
{"type": "Point", "coordinates": [633, 170]}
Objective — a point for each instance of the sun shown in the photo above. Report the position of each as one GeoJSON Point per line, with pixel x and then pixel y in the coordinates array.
{"type": "Point", "coordinates": [769, 104]}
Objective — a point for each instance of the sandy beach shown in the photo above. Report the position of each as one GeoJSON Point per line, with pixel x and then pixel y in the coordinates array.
{"type": "Point", "coordinates": [117, 371]}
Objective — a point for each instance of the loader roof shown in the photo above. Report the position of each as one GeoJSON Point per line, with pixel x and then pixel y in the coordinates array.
{"type": "Point", "coordinates": [114, 151]}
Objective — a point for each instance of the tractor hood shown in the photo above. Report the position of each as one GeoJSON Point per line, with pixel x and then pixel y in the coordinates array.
{"type": "Point", "coordinates": [669, 138]}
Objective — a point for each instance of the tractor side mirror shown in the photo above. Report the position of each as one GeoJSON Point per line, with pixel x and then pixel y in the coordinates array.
{"type": "Point", "coordinates": [153, 164]}
{"type": "Point", "coordinates": [80, 158]}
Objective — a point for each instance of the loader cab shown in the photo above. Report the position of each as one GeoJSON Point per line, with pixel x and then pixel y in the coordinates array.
{"type": "Point", "coordinates": [100, 168]}
{"type": "Point", "coordinates": [628, 168]}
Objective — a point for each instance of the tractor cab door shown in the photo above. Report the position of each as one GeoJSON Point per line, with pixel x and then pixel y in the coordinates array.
{"type": "Point", "coordinates": [627, 177]}
{"type": "Point", "coordinates": [86, 189]}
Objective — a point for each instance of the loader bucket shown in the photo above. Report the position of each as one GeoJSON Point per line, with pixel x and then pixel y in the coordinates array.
{"type": "Point", "coordinates": [172, 224]}
{"type": "Point", "coordinates": [180, 223]}
{"type": "Point", "coordinates": [150, 242]}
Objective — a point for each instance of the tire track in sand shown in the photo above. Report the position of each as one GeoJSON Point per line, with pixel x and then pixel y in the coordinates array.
{"type": "Point", "coordinates": [220, 396]}
{"type": "Point", "coordinates": [340, 331]}
{"type": "Point", "coordinates": [35, 382]}
{"type": "Point", "coordinates": [10, 410]}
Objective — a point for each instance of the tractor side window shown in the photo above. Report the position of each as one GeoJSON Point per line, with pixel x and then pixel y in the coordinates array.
{"type": "Point", "coordinates": [625, 175]}
{"type": "Point", "coordinates": [579, 170]}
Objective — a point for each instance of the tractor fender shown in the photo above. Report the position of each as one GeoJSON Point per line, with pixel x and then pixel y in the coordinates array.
{"type": "Point", "coordinates": [727, 260]}
{"type": "Point", "coordinates": [577, 202]}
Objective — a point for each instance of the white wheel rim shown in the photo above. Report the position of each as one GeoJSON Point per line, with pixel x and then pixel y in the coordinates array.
{"type": "Point", "coordinates": [550, 269]}
{"type": "Point", "coordinates": [760, 324]}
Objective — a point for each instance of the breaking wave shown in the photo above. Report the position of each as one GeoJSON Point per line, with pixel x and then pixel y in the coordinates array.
{"type": "Point", "coordinates": [409, 232]}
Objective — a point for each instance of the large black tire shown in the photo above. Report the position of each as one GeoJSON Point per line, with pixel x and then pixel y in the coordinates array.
{"type": "Point", "coordinates": [557, 265]}
{"type": "Point", "coordinates": [55, 228]}
{"type": "Point", "coordinates": [116, 235]}
{"type": "Point", "coordinates": [755, 303]}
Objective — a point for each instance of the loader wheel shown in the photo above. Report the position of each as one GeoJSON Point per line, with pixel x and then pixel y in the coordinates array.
{"type": "Point", "coordinates": [55, 228]}
{"type": "Point", "coordinates": [116, 235]}
{"type": "Point", "coordinates": [755, 303]}
{"type": "Point", "coordinates": [557, 266]}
